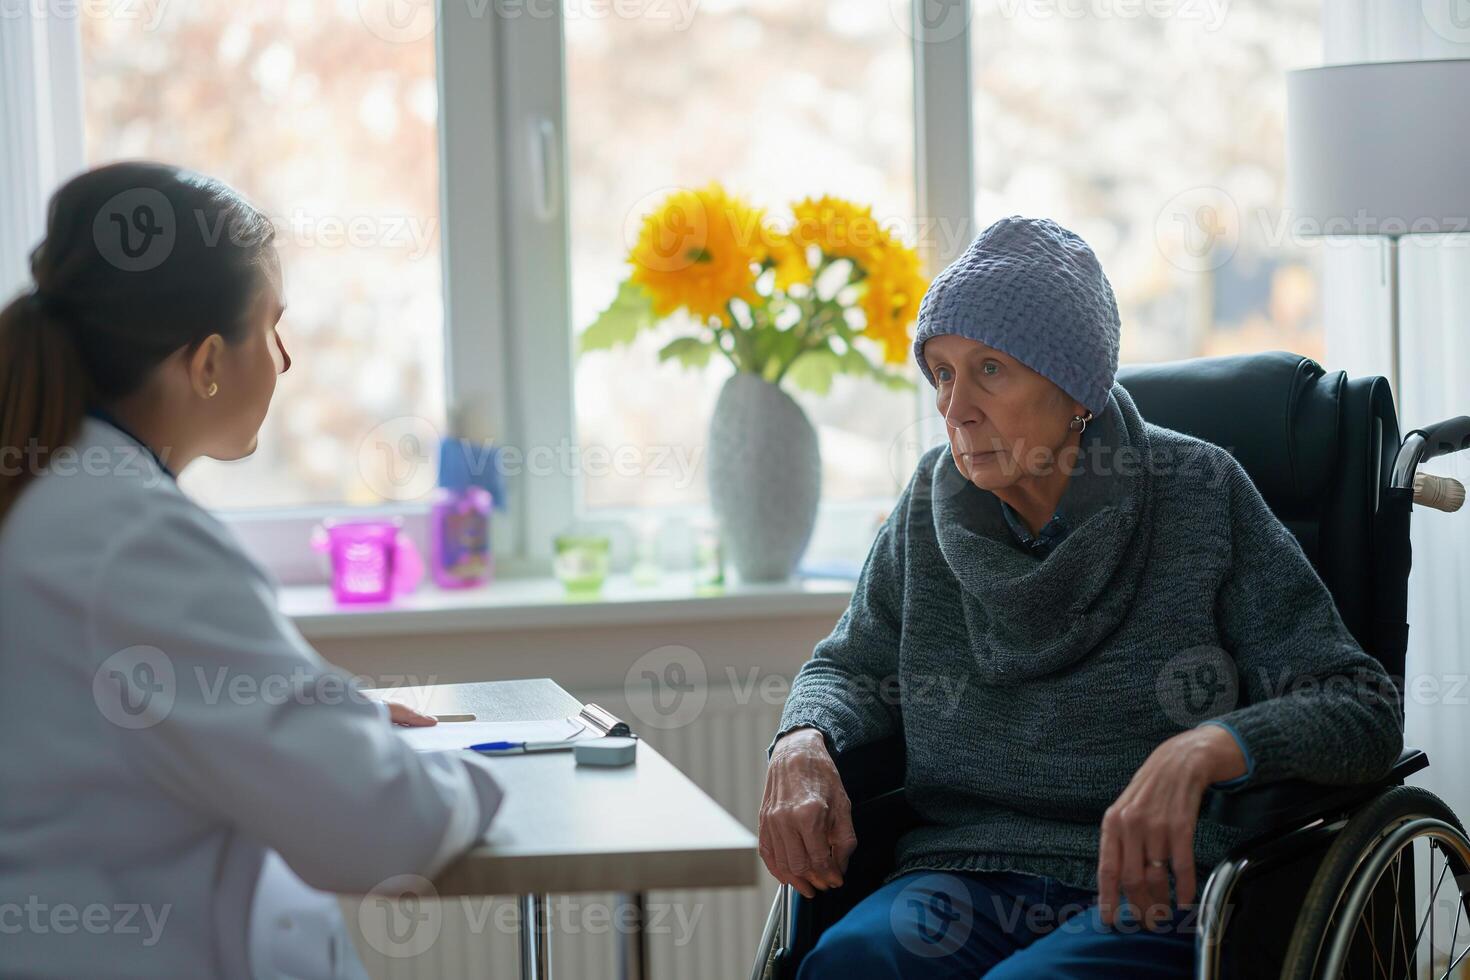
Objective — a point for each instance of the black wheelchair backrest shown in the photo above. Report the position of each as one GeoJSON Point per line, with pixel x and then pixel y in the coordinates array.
{"type": "Point", "coordinates": [1319, 446]}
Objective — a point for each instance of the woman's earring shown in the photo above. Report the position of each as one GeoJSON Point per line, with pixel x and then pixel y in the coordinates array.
{"type": "Point", "coordinates": [1079, 423]}
{"type": "Point", "coordinates": [213, 390]}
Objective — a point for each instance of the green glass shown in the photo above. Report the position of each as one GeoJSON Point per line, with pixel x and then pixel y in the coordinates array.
{"type": "Point", "coordinates": [582, 562]}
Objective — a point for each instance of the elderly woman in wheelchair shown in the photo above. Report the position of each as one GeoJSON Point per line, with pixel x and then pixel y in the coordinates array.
{"type": "Point", "coordinates": [1122, 624]}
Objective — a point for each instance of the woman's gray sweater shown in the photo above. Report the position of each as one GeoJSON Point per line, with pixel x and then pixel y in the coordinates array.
{"type": "Point", "coordinates": [1029, 691]}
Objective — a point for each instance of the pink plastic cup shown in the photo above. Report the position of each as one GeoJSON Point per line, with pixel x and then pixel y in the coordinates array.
{"type": "Point", "coordinates": [372, 560]}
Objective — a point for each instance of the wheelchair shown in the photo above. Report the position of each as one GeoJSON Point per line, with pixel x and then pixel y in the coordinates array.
{"type": "Point", "coordinates": [1330, 881]}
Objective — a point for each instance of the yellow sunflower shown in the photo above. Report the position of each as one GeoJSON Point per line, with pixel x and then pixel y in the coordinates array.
{"type": "Point", "coordinates": [839, 228]}
{"type": "Point", "coordinates": [789, 260]}
{"type": "Point", "coordinates": [699, 250]}
{"type": "Point", "coordinates": [891, 300]}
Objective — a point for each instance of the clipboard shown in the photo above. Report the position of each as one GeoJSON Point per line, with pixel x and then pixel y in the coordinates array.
{"type": "Point", "coordinates": [592, 721]}
{"type": "Point", "coordinates": [604, 721]}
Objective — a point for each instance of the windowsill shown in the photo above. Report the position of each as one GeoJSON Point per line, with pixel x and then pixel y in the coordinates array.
{"type": "Point", "coordinates": [542, 603]}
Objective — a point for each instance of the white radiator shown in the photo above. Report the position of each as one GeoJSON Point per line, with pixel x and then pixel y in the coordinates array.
{"type": "Point", "coordinates": [692, 935]}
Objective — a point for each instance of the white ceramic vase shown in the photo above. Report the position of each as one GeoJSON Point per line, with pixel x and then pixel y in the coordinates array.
{"type": "Point", "coordinates": [765, 476]}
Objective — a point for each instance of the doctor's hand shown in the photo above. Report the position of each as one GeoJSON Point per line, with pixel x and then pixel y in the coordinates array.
{"type": "Point", "coordinates": [402, 714]}
{"type": "Point", "coordinates": [806, 834]}
{"type": "Point", "coordinates": [1150, 827]}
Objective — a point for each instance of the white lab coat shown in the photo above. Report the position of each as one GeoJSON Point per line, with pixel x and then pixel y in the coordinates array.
{"type": "Point", "coordinates": [165, 727]}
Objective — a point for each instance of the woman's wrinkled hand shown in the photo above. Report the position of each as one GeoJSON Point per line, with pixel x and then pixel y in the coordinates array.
{"type": "Point", "coordinates": [806, 834]}
{"type": "Point", "coordinates": [1150, 827]}
{"type": "Point", "coordinates": [402, 714]}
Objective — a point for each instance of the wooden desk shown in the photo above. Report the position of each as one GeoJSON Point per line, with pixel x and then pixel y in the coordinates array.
{"type": "Point", "coordinates": [563, 828]}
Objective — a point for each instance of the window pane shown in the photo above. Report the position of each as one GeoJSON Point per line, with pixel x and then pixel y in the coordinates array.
{"type": "Point", "coordinates": [331, 129]}
{"type": "Point", "coordinates": [1155, 131]}
{"type": "Point", "coordinates": [777, 100]}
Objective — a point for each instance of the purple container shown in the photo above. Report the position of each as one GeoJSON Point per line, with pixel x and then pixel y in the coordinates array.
{"type": "Point", "coordinates": [460, 534]}
{"type": "Point", "coordinates": [364, 558]}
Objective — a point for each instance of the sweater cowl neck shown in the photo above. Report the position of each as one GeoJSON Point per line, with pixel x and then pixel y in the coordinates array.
{"type": "Point", "coordinates": [1028, 617]}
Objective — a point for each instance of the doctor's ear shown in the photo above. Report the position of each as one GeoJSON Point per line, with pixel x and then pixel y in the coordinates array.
{"type": "Point", "coordinates": [205, 365]}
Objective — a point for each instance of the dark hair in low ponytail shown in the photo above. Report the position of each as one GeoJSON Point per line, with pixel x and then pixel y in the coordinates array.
{"type": "Point", "coordinates": [139, 260]}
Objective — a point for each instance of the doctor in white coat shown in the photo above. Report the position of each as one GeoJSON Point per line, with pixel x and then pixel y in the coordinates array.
{"type": "Point", "coordinates": [166, 732]}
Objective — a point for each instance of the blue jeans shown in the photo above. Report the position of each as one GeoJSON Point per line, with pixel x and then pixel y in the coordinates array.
{"type": "Point", "coordinates": [995, 924]}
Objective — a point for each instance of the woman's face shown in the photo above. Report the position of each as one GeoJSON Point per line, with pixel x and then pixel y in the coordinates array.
{"type": "Point", "coordinates": [1005, 422]}
{"type": "Point", "coordinates": [248, 371]}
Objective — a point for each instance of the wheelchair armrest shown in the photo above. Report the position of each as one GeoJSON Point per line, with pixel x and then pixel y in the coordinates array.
{"type": "Point", "coordinates": [1277, 806]}
{"type": "Point", "coordinates": [878, 822]}
{"type": "Point", "coordinates": [872, 770]}
{"type": "Point", "coordinates": [873, 776]}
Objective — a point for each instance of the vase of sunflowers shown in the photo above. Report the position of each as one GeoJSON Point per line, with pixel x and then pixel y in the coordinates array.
{"type": "Point", "coordinates": [789, 305]}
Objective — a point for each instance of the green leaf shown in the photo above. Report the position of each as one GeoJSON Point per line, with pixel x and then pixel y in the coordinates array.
{"type": "Point", "coordinates": [775, 346]}
{"type": "Point", "coordinates": [814, 370]}
{"type": "Point", "coordinates": [630, 312]}
{"type": "Point", "coordinates": [692, 352]}
{"type": "Point", "coordinates": [896, 382]}
{"type": "Point", "coordinates": [855, 362]}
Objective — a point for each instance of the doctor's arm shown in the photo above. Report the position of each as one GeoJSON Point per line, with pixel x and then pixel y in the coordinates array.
{"type": "Point", "coordinates": [237, 717]}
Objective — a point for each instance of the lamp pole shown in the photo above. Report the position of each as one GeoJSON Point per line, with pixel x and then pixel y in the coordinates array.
{"type": "Point", "coordinates": [1393, 320]}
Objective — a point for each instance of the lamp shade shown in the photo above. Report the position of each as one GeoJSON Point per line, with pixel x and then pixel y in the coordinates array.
{"type": "Point", "coordinates": [1379, 149]}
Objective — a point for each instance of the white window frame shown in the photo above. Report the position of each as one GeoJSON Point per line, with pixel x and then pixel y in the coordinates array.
{"type": "Point", "coordinates": [40, 131]}
{"type": "Point", "coordinates": [504, 189]}
{"type": "Point", "coordinates": [533, 87]}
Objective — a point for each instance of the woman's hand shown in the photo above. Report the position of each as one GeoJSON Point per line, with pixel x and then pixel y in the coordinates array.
{"type": "Point", "coordinates": [806, 831]}
{"type": "Point", "coordinates": [1151, 825]}
{"type": "Point", "coordinates": [402, 714]}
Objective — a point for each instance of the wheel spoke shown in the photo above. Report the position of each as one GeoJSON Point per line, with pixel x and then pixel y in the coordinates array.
{"type": "Point", "coordinates": [1372, 920]}
{"type": "Point", "coordinates": [1398, 917]}
{"type": "Point", "coordinates": [1453, 936]}
{"type": "Point", "coordinates": [1377, 878]}
{"type": "Point", "coordinates": [1429, 912]}
{"type": "Point", "coordinates": [1455, 962]}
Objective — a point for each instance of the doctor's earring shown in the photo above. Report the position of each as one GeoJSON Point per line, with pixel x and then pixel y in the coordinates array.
{"type": "Point", "coordinates": [1079, 423]}
{"type": "Point", "coordinates": [213, 389]}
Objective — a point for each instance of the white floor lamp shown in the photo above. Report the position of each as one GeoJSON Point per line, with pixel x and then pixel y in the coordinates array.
{"type": "Point", "coordinates": [1380, 149]}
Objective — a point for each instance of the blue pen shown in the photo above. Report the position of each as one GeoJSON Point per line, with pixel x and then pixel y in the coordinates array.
{"type": "Point", "coordinates": [511, 748]}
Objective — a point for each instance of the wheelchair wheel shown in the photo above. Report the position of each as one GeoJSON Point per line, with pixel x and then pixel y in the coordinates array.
{"type": "Point", "coordinates": [1391, 898]}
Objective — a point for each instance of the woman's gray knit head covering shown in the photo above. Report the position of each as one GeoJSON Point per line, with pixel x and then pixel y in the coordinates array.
{"type": "Point", "coordinates": [1034, 290]}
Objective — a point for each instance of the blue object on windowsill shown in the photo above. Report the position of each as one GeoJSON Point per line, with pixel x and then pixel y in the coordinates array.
{"type": "Point", "coordinates": [465, 463]}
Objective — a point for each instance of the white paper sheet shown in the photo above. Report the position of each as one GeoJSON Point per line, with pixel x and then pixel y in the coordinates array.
{"type": "Point", "coordinates": [463, 734]}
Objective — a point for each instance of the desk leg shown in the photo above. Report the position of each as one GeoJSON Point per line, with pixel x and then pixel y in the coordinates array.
{"type": "Point", "coordinates": [633, 941]}
{"type": "Point", "coordinates": [535, 948]}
